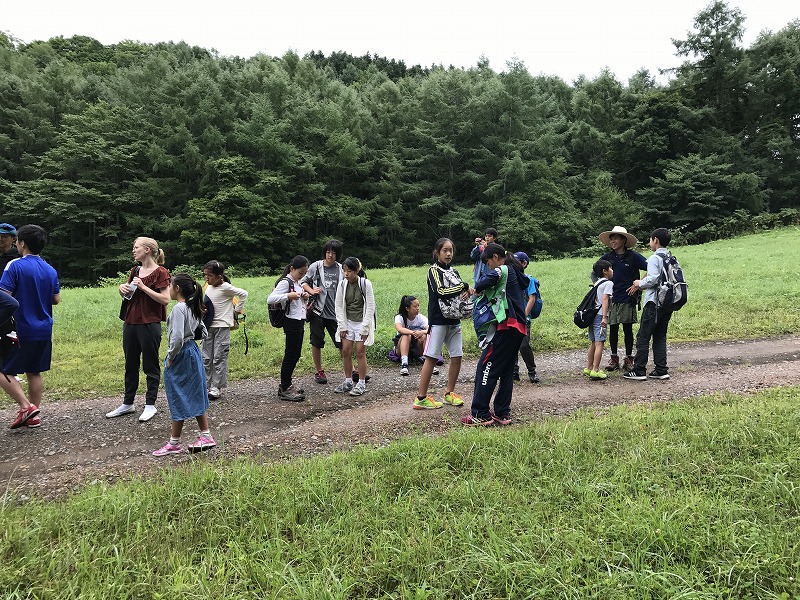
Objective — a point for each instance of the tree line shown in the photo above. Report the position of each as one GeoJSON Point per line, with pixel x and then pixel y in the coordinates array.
{"type": "Point", "coordinates": [250, 161]}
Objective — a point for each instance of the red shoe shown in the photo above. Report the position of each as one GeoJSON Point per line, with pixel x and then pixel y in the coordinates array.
{"type": "Point", "coordinates": [24, 415]}
{"type": "Point", "coordinates": [33, 422]}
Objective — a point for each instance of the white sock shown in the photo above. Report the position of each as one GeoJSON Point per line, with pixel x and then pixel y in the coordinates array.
{"type": "Point", "coordinates": [174, 441]}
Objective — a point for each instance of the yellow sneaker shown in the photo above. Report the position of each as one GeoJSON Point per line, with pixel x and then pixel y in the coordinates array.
{"type": "Point", "coordinates": [453, 399]}
{"type": "Point", "coordinates": [426, 403]}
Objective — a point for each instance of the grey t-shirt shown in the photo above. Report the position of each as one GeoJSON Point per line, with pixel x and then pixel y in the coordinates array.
{"type": "Point", "coordinates": [330, 282]}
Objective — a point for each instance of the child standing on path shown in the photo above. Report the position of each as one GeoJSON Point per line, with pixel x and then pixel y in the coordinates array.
{"type": "Point", "coordinates": [443, 332]}
{"type": "Point", "coordinates": [604, 273]}
{"type": "Point", "coordinates": [34, 285]}
{"type": "Point", "coordinates": [288, 289]}
{"type": "Point", "coordinates": [322, 280]}
{"type": "Point", "coordinates": [654, 320]}
{"type": "Point", "coordinates": [525, 349]}
{"type": "Point", "coordinates": [218, 342]}
{"type": "Point", "coordinates": [147, 291]}
{"type": "Point", "coordinates": [355, 317]}
{"type": "Point", "coordinates": [627, 264]}
{"type": "Point", "coordinates": [184, 377]}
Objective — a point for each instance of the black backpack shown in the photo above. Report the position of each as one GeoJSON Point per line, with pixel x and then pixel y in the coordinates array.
{"type": "Point", "coordinates": [277, 311]}
{"type": "Point", "coordinates": [587, 311]}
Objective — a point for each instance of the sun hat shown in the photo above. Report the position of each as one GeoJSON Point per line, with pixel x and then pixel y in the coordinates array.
{"type": "Point", "coordinates": [630, 240]}
{"type": "Point", "coordinates": [522, 257]}
{"type": "Point", "coordinates": [6, 229]}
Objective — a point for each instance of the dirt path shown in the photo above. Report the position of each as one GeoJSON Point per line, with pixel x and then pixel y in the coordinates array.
{"type": "Point", "coordinates": [76, 444]}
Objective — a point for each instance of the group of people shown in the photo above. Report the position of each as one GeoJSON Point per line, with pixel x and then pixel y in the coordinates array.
{"type": "Point", "coordinates": [336, 298]}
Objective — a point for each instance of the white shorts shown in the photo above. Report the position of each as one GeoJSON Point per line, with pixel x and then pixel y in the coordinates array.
{"type": "Point", "coordinates": [444, 335]}
{"type": "Point", "coordinates": [353, 331]}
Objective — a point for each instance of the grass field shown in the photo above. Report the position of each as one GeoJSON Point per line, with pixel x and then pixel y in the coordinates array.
{"type": "Point", "coordinates": [698, 499]}
{"type": "Point", "coordinates": [739, 288]}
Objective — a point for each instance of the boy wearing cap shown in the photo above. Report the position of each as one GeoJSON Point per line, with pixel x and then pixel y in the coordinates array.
{"type": "Point", "coordinates": [8, 251]}
{"type": "Point", "coordinates": [34, 284]}
{"type": "Point", "coordinates": [525, 348]}
{"type": "Point", "coordinates": [627, 264]}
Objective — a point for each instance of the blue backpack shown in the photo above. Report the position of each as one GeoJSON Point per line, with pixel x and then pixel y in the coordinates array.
{"type": "Point", "coordinates": [537, 305]}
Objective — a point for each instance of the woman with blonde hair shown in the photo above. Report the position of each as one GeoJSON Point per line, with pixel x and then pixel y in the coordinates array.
{"type": "Point", "coordinates": [147, 293]}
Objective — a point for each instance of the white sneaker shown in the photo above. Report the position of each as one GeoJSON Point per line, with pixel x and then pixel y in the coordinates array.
{"type": "Point", "coordinates": [122, 409]}
{"type": "Point", "coordinates": [148, 413]}
{"type": "Point", "coordinates": [404, 370]}
{"type": "Point", "coordinates": [435, 370]}
{"type": "Point", "coordinates": [359, 389]}
{"type": "Point", "coordinates": [214, 393]}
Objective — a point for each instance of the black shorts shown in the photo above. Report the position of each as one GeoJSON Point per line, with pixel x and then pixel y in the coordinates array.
{"type": "Point", "coordinates": [318, 325]}
{"type": "Point", "coordinates": [414, 350]}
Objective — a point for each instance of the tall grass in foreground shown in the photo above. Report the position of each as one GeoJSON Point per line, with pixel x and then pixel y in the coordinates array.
{"type": "Point", "coordinates": [738, 288]}
{"type": "Point", "coordinates": [693, 500]}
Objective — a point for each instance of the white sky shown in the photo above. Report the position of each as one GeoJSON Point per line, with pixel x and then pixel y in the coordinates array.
{"type": "Point", "coordinates": [555, 37]}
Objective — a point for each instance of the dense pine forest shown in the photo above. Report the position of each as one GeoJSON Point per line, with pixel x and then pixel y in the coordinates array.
{"type": "Point", "coordinates": [250, 161]}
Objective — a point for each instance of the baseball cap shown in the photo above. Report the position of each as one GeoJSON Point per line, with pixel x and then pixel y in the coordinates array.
{"type": "Point", "coordinates": [6, 229]}
{"type": "Point", "coordinates": [522, 257]}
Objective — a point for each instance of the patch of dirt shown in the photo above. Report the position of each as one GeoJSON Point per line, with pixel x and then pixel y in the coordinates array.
{"type": "Point", "coordinates": [76, 444]}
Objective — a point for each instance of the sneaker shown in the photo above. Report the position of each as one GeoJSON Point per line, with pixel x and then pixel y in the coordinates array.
{"type": "Point", "coordinates": [343, 387]}
{"type": "Point", "coordinates": [516, 376]}
{"type": "Point", "coordinates": [24, 415]}
{"type": "Point", "coordinates": [355, 377]}
{"type": "Point", "coordinates": [453, 399]}
{"type": "Point", "coordinates": [214, 393]}
{"type": "Point", "coordinates": [533, 377]}
{"type": "Point", "coordinates": [169, 449]}
{"type": "Point", "coordinates": [634, 375]}
{"type": "Point", "coordinates": [204, 442]}
{"type": "Point", "coordinates": [33, 422]}
{"type": "Point", "coordinates": [587, 372]}
{"type": "Point", "coordinates": [435, 370]}
{"type": "Point", "coordinates": [148, 413]}
{"type": "Point", "coordinates": [122, 409]}
{"type": "Point", "coordinates": [426, 403]}
{"type": "Point", "coordinates": [470, 420]}
{"type": "Point", "coordinates": [597, 375]}
{"type": "Point", "coordinates": [613, 363]}
{"type": "Point", "coordinates": [321, 377]}
{"type": "Point", "coordinates": [504, 420]}
{"type": "Point", "coordinates": [291, 394]}
{"type": "Point", "coordinates": [404, 370]}
{"type": "Point", "coordinates": [655, 375]}
{"type": "Point", "coordinates": [358, 389]}
{"type": "Point", "coordinates": [439, 362]}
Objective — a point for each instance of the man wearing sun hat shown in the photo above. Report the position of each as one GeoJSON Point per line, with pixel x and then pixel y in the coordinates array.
{"type": "Point", "coordinates": [8, 250]}
{"type": "Point", "coordinates": [627, 264]}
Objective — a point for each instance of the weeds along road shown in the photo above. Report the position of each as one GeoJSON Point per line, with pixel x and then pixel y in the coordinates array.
{"type": "Point", "coordinates": [76, 444]}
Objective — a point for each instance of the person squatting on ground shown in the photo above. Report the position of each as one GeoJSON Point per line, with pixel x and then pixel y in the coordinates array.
{"type": "Point", "coordinates": [443, 332]}
{"type": "Point", "coordinates": [654, 320]}
{"type": "Point", "coordinates": [322, 280]}
{"type": "Point", "coordinates": [603, 272]}
{"type": "Point", "coordinates": [355, 317]}
{"type": "Point", "coordinates": [35, 289]}
{"type": "Point", "coordinates": [288, 289]}
{"type": "Point", "coordinates": [627, 264]}
{"type": "Point", "coordinates": [496, 363]}
{"type": "Point", "coordinates": [525, 350]}
{"type": "Point", "coordinates": [184, 375]}
{"type": "Point", "coordinates": [147, 291]}
{"type": "Point", "coordinates": [217, 344]}
{"type": "Point", "coordinates": [412, 333]}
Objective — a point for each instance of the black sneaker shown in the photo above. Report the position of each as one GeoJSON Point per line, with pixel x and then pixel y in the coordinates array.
{"type": "Point", "coordinates": [533, 377]}
{"type": "Point", "coordinates": [516, 376]}
{"type": "Point", "coordinates": [291, 394]}
{"type": "Point", "coordinates": [656, 375]}
{"type": "Point", "coordinates": [634, 375]}
{"type": "Point", "coordinates": [355, 377]}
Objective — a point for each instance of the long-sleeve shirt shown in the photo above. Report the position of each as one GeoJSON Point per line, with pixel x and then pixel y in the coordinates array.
{"type": "Point", "coordinates": [297, 308]}
{"type": "Point", "coordinates": [222, 298]}
{"type": "Point", "coordinates": [649, 283]}
{"type": "Point", "coordinates": [181, 325]}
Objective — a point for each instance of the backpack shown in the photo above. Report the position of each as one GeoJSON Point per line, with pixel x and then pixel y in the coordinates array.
{"type": "Point", "coordinates": [587, 311]}
{"type": "Point", "coordinates": [278, 311]}
{"type": "Point", "coordinates": [455, 307]}
{"type": "Point", "coordinates": [491, 306]}
{"type": "Point", "coordinates": [537, 305]}
{"type": "Point", "coordinates": [671, 285]}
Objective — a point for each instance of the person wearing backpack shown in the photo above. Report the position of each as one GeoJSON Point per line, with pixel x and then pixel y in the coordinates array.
{"type": "Point", "coordinates": [627, 265]}
{"type": "Point", "coordinates": [288, 290]}
{"type": "Point", "coordinates": [655, 320]}
{"type": "Point", "coordinates": [355, 318]}
{"type": "Point", "coordinates": [525, 349]}
{"type": "Point", "coordinates": [603, 274]}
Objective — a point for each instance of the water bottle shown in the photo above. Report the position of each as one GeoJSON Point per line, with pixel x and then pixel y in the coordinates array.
{"type": "Point", "coordinates": [129, 295]}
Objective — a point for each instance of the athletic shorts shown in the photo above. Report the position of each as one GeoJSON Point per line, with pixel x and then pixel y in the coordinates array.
{"type": "Point", "coordinates": [317, 326]}
{"type": "Point", "coordinates": [444, 335]}
{"type": "Point", "coordinates": [32, 356]}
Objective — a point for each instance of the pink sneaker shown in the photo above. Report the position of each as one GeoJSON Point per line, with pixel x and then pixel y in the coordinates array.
{"type": "Point", "coordinates": [24, 415]}
{"type": "Point", "coordinates": [204, 442]}
{"type": "Point", "coordinates": [33, 422]}
{"type": "Point", "coordinates": [169, 449]}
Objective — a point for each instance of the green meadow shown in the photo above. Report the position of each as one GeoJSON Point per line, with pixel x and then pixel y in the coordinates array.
{"type": "Point", "coordinates": [739, 288]}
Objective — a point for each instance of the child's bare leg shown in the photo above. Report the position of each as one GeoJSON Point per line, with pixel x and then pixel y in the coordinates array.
{"type": "Point", "coordinates": [12, 387]}
{"type": "Point", "coordinates": [598, 355]}
{"type": "Point", "coordinates": [177, 428]}
{"type": "Point", "coordinates": [347, 358]}
{"type": "Point", "coordinates": [202, 422]}
{"type": "Point", "coordinates": [361, 357]}
{"type": "Point", "coordinates": [425, 376]}
{"type": "Point", "coordinates": [452, 373]}
{"type": "Point", "coordinates": [35, 388]}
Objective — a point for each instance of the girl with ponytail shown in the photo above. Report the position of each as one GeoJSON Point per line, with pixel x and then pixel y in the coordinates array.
{"type": "Point", "coordinates": [184, 374]}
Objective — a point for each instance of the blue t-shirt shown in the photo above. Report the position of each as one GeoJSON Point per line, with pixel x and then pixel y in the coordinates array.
{"type": "Point", "coordinates": [33, 283]}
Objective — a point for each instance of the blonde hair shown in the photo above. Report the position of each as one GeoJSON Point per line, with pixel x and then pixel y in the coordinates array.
{"type": "Point", "coordinates": [155, 251]}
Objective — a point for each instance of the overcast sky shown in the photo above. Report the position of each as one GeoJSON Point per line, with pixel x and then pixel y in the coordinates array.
{"type": "Point", "coordinates": [555, 37]}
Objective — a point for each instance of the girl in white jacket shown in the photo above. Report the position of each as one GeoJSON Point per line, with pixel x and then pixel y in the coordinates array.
{"type": "Point", "coordinates": [355, 319]}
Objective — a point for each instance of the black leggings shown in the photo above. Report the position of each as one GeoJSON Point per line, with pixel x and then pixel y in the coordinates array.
{"type": "Point", "coordinates": [294, 330]}
{"type": "Point", "coordinates": [613, 338]}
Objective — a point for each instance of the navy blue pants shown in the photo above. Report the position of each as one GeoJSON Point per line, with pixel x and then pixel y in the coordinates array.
{"type": "Point", "coordinates": [496, 365]}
